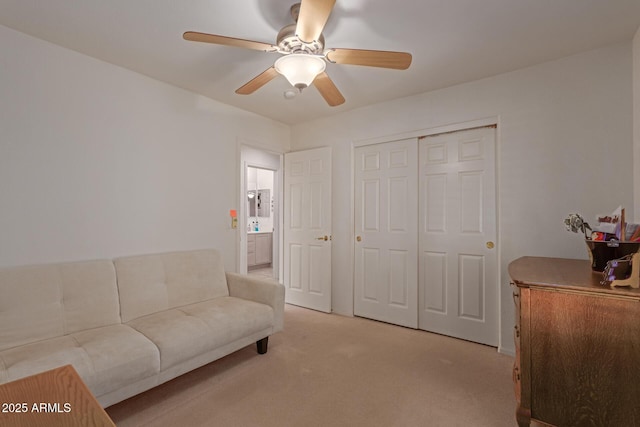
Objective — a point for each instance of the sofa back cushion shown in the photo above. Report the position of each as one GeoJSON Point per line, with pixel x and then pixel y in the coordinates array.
{"type": "Point", "coordinates": [45, 301]}
{"type": "Point", "coordinates": [151, 283]}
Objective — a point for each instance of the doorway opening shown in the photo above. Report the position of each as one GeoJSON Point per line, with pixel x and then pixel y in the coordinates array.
{"type": "Point", "coordinates": [259, 218]}
{"type": "Point", "coordinates": [260, 215]}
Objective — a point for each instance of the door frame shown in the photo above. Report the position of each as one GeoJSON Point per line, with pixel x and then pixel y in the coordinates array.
{"type": "Point", "coordinates": [244, 150]}
{"type": "Point", "coordinates": [453, 127]}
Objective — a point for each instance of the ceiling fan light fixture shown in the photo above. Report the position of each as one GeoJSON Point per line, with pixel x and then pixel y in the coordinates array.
{"type": "Point", "coordinates": [300, 69]}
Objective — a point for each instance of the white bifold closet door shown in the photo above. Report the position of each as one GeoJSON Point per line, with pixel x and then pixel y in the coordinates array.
{"type": "Point", "coordinates": [425, 227]}
{"type": "Point", "coordinates": [458, 270]}
{"type": "Point", "coordinates": [386, 270]}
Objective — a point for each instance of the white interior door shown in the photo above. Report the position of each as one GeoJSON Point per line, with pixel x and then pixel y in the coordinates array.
{"type": "Point", "coordinates": [458, 257]}
{"type": "Point", "coordinates": [307, 228]}
{"type": "Point", "coordinates": [386, 248]}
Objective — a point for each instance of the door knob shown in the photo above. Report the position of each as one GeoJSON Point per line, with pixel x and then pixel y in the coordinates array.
{"type": "Point", "coordinates": [490, 245]}
{"type": "Point", "coordinates": [325, 238]}
{"type": "Point", "coordinates": [358, 238]}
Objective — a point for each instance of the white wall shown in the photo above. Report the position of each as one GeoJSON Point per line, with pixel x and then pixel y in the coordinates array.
{"type": "Point", "coordinates": [98, 162]}
{"type": "Point", "coordinates": [565, 145]}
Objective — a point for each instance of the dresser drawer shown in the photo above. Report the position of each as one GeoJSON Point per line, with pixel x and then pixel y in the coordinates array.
{"type": "Point", "coordinates": [516, 303]}
{"type": "Point", "coordinates": [517, 380]}
{"type": "Point", "coordinates": [517, 368]}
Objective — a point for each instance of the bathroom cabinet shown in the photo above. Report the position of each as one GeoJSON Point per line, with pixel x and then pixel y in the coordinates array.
{"type": "Point", "coordinates": [259, 249]}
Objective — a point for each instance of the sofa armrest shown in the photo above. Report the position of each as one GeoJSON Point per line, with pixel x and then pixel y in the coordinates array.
{"type": "Point", "coordinates": [259, 290]}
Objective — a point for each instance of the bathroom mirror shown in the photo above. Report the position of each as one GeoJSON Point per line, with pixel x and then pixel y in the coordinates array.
{"type": "Point", "coordinates": [263, 203]}
{"type": "Point", "coordinates": [251, 198]}
{"type": "Point", "coordinates": [259, 203]}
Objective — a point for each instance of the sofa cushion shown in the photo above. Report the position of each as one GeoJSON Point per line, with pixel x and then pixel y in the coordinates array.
{"type": "Point", "coordinates": [186, 332]}
{"type": "Point", "coordinates": [233, 318]}
{"type": "Point", "coordinates": [45, 355]}
{"type": "Point", "coordinates": [106, 358]}
{"type": "Point", "coordinates": [46, 301]}
{"type": "Point", "coordinates": [120, 356]}
{"type": "Point", "coordinates": [153, 283]}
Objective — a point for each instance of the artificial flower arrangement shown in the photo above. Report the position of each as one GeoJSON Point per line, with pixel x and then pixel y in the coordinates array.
{"type": "Point", "coordinates": [574, 222]}
{"type": "Point", "coordinates": [610, 227]}
{"type": "Point", "coordinates": [611, 239]}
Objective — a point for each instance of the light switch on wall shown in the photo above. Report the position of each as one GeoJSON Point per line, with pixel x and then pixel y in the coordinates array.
{"type": "Point", "coordinates": [234, 218]}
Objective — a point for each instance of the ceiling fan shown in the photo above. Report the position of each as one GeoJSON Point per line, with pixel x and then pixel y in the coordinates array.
{"type": "Point", "coordinates": [304, 56]}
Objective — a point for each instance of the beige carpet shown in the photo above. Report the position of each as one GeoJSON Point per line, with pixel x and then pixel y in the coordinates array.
{"type": "Point", "coordinates": [330, 370]}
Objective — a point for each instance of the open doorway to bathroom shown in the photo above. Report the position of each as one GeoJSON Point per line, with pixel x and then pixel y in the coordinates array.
{"type": "Point", "coordinates": [260, 222]}
{"type": "Point", "coordinates": [260, 214]}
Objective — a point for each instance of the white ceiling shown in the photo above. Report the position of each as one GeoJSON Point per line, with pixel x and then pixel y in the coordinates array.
{"type": "Point", "coordinates": [452, 41]}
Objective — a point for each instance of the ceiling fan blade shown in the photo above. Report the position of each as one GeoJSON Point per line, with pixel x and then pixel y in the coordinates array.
{"type": "Point", "coordinates": [257, 82]}
{"type": "Point", "coordinates": [194, 36]}
{"type": "Point", "coordinates": [328, 90]}
{"type": "Point", "coordinates": [312, 17]}
{"type": "Point", "coordinates": [370, 58]}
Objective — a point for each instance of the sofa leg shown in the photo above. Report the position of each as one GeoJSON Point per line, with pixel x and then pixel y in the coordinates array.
{"type": "Point", "coordinates": [262, 345]}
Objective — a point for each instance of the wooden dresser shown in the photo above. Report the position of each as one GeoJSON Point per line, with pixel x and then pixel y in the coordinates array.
{"type": "Point", "coordinates": [577, 346]}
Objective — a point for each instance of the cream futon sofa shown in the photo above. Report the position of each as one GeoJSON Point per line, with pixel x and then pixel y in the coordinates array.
{"type": "Point", "coordinates": [130, 324]}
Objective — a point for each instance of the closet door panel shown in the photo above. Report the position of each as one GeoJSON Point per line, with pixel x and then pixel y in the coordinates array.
{"type": "Point", "coordinates": [386, 222]}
